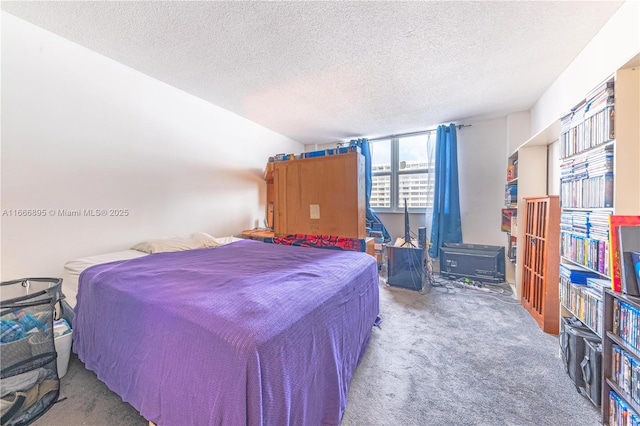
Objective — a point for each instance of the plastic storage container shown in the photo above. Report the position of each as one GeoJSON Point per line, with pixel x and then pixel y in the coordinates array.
{"type": "Point", "coordinates": [62, 340]}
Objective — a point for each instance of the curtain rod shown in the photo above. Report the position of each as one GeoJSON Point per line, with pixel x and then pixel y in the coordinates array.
{"type": "Point", "coordinates": [422, 132]}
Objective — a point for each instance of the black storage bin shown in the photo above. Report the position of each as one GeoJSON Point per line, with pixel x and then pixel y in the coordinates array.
{"type": "Point", "coordinates": [572, 343]}
{"type": "Point", "coordinates": [29, 383]}
{"type": "Point", "coordinates": [591, 367]}
{"type": "Point", "coordinates": [565, 324]}
{"type": "Point", "coordinates": [405, 267]}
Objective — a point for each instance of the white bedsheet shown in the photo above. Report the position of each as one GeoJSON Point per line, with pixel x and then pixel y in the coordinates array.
{"type": "Point", "coordinates": [73, 269]}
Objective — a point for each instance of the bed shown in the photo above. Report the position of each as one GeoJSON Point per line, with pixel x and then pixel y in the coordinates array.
{"type": "Point", "coordinates": [246, 333]}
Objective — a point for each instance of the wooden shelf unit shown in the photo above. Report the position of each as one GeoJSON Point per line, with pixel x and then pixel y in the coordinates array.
{"type": "Point", "coordinates": [584, 209]}
{"type": "Point", "coordinates": [540, 260]}
{"type": "Point", "coordinates": [531, 158]}
{"type": "Point", "coordinates": [625, 149]}
{"type": "Point", "coordinates": [581, 199]}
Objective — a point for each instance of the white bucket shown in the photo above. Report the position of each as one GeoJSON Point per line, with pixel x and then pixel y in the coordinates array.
{"type": "Point", "coordinates": [63, 348]}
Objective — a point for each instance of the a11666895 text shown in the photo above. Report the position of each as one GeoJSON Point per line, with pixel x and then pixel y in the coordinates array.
{"type": "Point", "coordinates": [65, 212]}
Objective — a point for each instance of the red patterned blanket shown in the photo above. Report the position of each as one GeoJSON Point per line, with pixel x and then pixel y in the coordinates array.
{"type": "Point", "coordinates": [321, 241]}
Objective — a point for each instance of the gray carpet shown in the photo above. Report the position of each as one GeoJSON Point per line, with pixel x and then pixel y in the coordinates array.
{"type": "Point", "coordinates": [450, 356]}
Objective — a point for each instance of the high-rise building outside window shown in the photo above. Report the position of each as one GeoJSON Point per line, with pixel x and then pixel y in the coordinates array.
{"type": "Point", "coordinates": [401, 170]}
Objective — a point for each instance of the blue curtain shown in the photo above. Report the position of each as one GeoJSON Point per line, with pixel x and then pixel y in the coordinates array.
{"type": "Point", "coordinates": [446, 225]}
{"type": "Point", "coordinates": [373, 221]}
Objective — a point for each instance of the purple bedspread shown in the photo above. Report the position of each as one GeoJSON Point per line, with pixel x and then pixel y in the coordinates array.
{"type": "Point", "coordinates": [247, 333]}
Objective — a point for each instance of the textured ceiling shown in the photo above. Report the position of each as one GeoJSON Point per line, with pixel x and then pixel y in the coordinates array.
{"type": "Point", "coordinates": [319, 72]}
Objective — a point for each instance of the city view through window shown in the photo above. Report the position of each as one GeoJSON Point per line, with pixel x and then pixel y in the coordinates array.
{"type": "Point", "coordinates": [401, 170]}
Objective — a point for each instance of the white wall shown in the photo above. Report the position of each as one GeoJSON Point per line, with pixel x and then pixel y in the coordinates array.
{"type": "Point", "coordinates": [614, 45]}
{"type": "Point", "coordinates": [518, 130]}
{"type": "Point", "coordinates": [553, 162]}
{"type": "Point", "coordinates": [80, 131]}
{"type": "Point", "coordinates": [482, 168]}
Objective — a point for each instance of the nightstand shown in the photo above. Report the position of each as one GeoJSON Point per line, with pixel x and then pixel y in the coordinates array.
{"type": "Point", "coordinates": [259, 234]}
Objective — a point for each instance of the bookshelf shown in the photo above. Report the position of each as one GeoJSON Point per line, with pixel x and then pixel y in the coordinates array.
{"type": "Point", "coordinates": [621, 358]}
{"type": "Point", "coordinates": [598, 142]}
{"type": "Point", "coordinates": [587, 199]}
{"type": "Point", "coordinates": [508, 225]}
{"type": "Point", "coordinates": [620, 337]}
{"type": "Point", "coordinates": [511, 187]}
{"type": "Point", "coordinates": [510, 212]}
{"type": "Point", "coordinates": [599, 154]}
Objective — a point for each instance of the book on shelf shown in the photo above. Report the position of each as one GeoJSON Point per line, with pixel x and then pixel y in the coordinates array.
{"type": "Point", "coordinates": [625, 323]}
{"type": "Point", "coordinates": [625, 372]}
{"type": "Point", "coordinates": [616, 255]}
{"type": "Point", "coordinates": [576, 274]}
{"type": "Point", "coordinates": [620, 413]}
{"type": "Point", "coordinates": [583, 301]}
{"type": "Point", "coordinates": [605, 88]}
{"type": "Point", "coordinates": [511, 194]}
{"type": "Point", "coordinates": [587, 192]}
{"type": "Point", "coordinates": [629, 241]}
{"type": "Point", "coordinates": [598, 284]}
{"type": "Point", "coordinates": [588, 252]}
{"type": "Point", "coordinates": [508, 215]}
{"type": "Point", "coordinates": [635, 261]}
{"type": "Point", "coordinates": [590, 123]}
{"type": "Point", "coordinates": [513, 247]}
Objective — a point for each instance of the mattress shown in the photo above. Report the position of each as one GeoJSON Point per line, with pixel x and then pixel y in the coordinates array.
{"type": "Point", "coordinates": [73, 269]}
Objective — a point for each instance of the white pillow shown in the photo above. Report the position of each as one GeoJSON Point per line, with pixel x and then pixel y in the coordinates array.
{"type": "Point", "coordinates": [204, 239]}
{"type": "Point", "coordinates": [179, 243]}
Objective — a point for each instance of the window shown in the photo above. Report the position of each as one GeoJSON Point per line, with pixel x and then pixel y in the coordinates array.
{"type": "Point", "coordinates": [401, 169]}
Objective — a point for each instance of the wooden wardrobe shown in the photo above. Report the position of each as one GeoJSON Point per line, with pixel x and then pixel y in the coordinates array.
{"type": "Point", "coordinates": [320, 195]}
